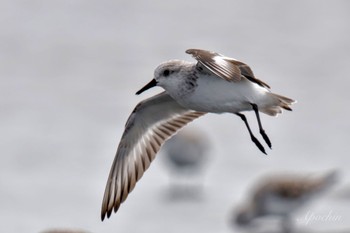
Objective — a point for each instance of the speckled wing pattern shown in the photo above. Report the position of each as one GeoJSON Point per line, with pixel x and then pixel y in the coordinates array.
{"type": "Point", "coordinates": [226, 68]}
{"type": "Point", "coordinates": [152, 122]}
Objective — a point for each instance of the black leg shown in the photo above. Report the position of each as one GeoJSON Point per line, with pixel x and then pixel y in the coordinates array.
{"type": "Point", "coordinates": [257, 143]}
{"type": "Point", "coordinates": [262, 131]}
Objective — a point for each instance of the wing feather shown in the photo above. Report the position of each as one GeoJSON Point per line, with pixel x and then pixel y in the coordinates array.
{"type": "Point", "coordinates": [153, 121]}
{"type": "Point", "coordinates": [226, 68]}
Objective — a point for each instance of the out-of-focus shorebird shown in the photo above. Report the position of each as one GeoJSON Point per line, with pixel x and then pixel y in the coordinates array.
{"type": "Point", "coordinates": [185, 155]}
{"type": "Point", "coordinates": [186, 151]}
{"type": "Point", "coordinates": [281, 196]}
{"type": "Point", "coordinates": [214, 84]}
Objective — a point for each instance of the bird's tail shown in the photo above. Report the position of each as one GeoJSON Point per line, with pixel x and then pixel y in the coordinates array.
{"type": "Point", "coordinates": [282, 102]}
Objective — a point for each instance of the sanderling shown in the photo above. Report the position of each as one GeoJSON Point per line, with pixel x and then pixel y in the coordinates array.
{"type": "Point", "coordinates": [214, 84]}
{"type": "Point", "coordinates": [282, 195]}
{"type": "Point", "coordinates": [186, 154]}
{"type": "Point", "coordinates": [186, 151]}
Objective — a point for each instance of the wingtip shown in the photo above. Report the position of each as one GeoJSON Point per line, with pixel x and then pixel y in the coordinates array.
{"type": "Point", "coordinates": [189, 51]}
{"type": "Point", "coordinates": [103, 215]}
{"type": "Point", "coordinates": [109, 213]}
{"type": "Point", "coordinates": [192, 51]}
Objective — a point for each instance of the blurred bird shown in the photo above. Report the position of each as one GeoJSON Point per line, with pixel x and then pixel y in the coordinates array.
{"type": "Point", "coordinates": [215, 84]}
{"type": "Point", "coordinates": [185, 154]}
{"type": "Point", "coordinates": [281, 196]}
{"type": "Point", "coordinates": [186, 151]}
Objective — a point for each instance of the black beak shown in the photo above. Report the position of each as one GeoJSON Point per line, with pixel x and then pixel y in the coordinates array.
{"type": "Point", "coordinates": [149, 85]}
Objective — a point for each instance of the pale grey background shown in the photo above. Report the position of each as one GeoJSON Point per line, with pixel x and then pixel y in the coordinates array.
{"type": "Point", "coordinates": [68, 74]}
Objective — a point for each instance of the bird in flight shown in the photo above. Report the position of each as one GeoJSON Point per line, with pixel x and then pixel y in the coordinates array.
{"type": "Point", "coordinates": [213, 84]}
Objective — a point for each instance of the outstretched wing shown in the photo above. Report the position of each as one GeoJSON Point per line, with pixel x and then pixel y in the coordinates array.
{"type": "Point", "coordinates": [153, 121]}
{"type": "Point", "coordinates": [226, 68]}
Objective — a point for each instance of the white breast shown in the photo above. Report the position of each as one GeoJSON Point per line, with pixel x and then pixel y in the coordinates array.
{"type": "Point", "coordinates": [214, 94]}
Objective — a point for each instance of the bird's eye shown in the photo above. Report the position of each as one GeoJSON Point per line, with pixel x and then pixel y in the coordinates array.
{"type": "Point", "coordinates": [166, 73]}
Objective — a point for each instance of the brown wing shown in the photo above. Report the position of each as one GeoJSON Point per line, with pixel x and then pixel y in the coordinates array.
{"type": "Point", "coordinates": [226, 68]}
{"type": "Point", "coordinates": [153, 121]}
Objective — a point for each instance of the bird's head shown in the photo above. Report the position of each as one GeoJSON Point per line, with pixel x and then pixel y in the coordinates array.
{"type": "Point", "coordinates": [167, 75]}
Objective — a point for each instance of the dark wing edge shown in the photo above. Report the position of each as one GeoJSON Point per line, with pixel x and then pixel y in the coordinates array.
{"type": "Point", "coordinates": [138, 148]}
{"type": "Point", "coordinates": [247, 72]}
{"type": "Point", "coordinates": [227, 68]}
{"type": "Point", "coordinates": [217, 64]}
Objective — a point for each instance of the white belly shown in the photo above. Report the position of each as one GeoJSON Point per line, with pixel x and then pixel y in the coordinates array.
{"type": "Point", "coordinates": [217, 95]}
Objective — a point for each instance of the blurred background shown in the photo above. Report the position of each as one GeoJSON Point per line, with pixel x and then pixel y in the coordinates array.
{"type": "Point", "coordinates": [69, 71]}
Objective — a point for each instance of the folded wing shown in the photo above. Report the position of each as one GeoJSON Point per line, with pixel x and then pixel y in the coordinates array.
{"type": "Point", "coordinates": [226, 68]}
